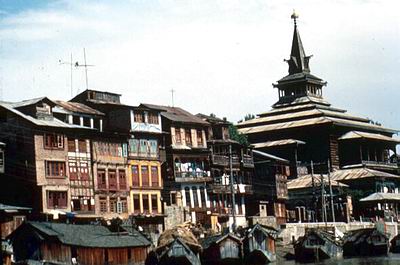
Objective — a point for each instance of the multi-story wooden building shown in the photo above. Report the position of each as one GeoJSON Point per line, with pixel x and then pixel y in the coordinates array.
{"type": "Point", "coordinates": [303, 127]}
{"type": "Point", "coordinates": [187, 169]}
{"type": "Point", "coordinates": [37, 146]}
{"type": "Point", "coordinates": [227, 154]}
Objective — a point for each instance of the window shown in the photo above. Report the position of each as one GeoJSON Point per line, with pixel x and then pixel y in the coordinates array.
{"type": "Point", "coordinates": [145, 203]}
{"type": "Point", "coordinates": [173, 198]}
{"type": "Point", "coordinates": [71, 145]}
{"type": "Point", "coordinates": [136, 203]}
{"type": "Point", "coordinates": [154, 176]}
{"type": "Point", "coordinates": [82, 146]}
{"type": "Point", "coordinates": [188, 137]}
{"type": "Point", "coordinates": [195, 198]}
{"type": "Point", "coordinates": [123, 205]}
{"type": "Point", "coordinates": [103, 205]}
{"type": "Point", "coordinates": [122, 179]}
{"type": "Point", "coordinates": [143, 147]}
{"type": "Point", "coordinates": [84, 170]}
{"type": "Point", "coordinates": [56, 199]}
{"type": "Point", "coordinates": [135, 175]}
{"type": "Point", "coordinates": [153, 148]}
{"type": "Point", "coordinates": [178, 138]}
{"type": "Point", "coordinates": [187, 195]}
{"type": "Point", "coordinates": [1, 161]}
{"type": "Point", "coordinates": [73, 171]}
{"type": "Point", "coordinates": [133, 147]}
{"type": "Point", "coordinates": [153, 118]}
{"type": "Point", "coordinates": [203, 197]}
{"type": "Point", "coordinates": [145, 175]}
{"type": "Point", "coordinates": [113, 205]}
{"type": "Point", "coordinates": [199, 138]}
{"type": "Point", "coordinates": [101, 179]}
{"type": "Point", "coordinates": [53, 141]}
{"type": "Point", "coordinates": [154, 203]}
{"type": "Point", "coordinates": [112, 180]}
{"type": "Point", "coordinates": [55, 169]}
{"type": "Point", "coordinates": [139, 117]}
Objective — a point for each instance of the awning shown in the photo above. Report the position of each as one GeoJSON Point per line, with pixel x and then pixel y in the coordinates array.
{"type": "Point", "coordinates": [371, 136]}
{"type": "Point", "coordinates": [381, 197]}
{"type": "Point", "coordinates": [277, 143]}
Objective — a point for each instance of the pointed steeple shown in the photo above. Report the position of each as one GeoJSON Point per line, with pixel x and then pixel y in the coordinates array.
{"type": "Point", "coordinates": [298, 62]}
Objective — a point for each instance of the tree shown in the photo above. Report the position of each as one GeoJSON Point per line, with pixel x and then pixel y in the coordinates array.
{"type": "Point", "coordinates": [236, 136]}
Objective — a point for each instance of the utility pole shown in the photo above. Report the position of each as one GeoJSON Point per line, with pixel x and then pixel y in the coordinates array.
{"type": "Point", "coordinates": [330, 190]}
{"type": "Point", "coordinates": [71, 64]}
{"type": "Point", "coordinates": [313, 191]}
{"type": "Point", "coordinates": [324, 217]}
{"type": "Point", "coordinates": [232, 189]}
{"type": "Point", "coordinates": [86, 68]}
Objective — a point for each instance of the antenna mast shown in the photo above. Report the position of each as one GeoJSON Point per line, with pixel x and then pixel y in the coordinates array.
{"type": "Point", "coordinates": [172, 95]}
{"type": "Point", "coordinates": [86, 66]}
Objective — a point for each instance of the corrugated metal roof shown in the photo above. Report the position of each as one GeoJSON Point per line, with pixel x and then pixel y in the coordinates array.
{"type": "Point", "coordinates": [29, 102]}
{"type": "Point", "coordinates": [302, 100]}
{"type": "Point", "coordinates": [177, 114]}
{"type": "Point", "coordinates": [306, 182]}
{"type": "Point", "coordinates": [364, 135]}
{"type": "Point", "coordinates": [5, 207]}
{"type": "Point", "coordinates": [76, 107]}
{"type": "Point", "coordinates": [263, 154]}
{"type": "Point", "coordinates": [46, 123]}
{"type": "Point", "coordinates": [277, 143]}
{"type": "Point", "coordinates": [360, 173]}
{"type": "Point", "coordinates": [380, 196]}
{"type": "Point", "coordinates": [89, 235]}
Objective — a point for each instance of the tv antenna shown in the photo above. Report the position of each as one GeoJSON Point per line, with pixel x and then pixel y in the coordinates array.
{"type": "Point", "coordinates": [71, 64]}
{"type": "Point", "coordinates": [86, 66]}
{"type": "Point", "coordinates": [172, 96]}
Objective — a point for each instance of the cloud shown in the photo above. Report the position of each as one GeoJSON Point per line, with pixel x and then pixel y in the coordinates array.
{"type": "Point", "coordinates": [220, 56]}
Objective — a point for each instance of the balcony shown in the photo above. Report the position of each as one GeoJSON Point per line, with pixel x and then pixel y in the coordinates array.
{"type": "Point", "coordinates": [248, 161]}
{"type": "Point", "coordinates": [222, 211]}
{"type": "Point", "coordinates": [223, 160]}
{"type": "Point", "coordinates": [139, 155]}
{"type": "Point", "coordinates": [192, 176]}
{"type": "Point", "coordinates": [238, 188]}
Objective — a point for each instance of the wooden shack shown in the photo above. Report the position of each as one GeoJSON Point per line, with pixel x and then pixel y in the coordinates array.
{"type": "Point", "coordinates": [365, 242]}
{"type": "Point", "coordinates": [316, 245]}
{"type": "Point", "coordinates": [222, 249]}
{"type": "Point", "coordinates": [178, 246]}
{"type": "Point", "coordinates": [259, 245]}
{"type": "Point", "coordinates": [84, 244]}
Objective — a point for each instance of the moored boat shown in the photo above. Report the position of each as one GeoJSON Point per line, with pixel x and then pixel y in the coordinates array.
{"type": "Point", "coordinates": [259, 245]}
{"type": "Point", "coordinates": [316, 245]}
{"type": "Point", "coordinates": [365, 242]}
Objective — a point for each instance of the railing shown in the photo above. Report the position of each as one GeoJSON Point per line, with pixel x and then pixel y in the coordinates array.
{"type": "Point", "coordinates": [144, 155]}
{"type": "Point", "coordinates": [379, 163]}
{"type": "Point", "coordinates": [238, 188]}
{"type": "Point", "coordinates": [221, 210]}
{"type": "Point", "coordinates": [192, 176]}
{"type": "Point", "coordinates": [221, 160]}
{"type": "Point", "coordinates": [248, 161]}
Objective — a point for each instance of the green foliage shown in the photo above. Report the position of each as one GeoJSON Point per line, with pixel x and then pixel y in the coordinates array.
{"type": "Point", "coordinates": [236, 136]}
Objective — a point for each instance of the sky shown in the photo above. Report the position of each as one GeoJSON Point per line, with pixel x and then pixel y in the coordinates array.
{"type": "Point", "coordinates": [220, 56]}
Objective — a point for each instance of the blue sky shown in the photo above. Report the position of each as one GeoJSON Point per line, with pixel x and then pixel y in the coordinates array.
{"type": "Point", "coordinates": [231, 50]}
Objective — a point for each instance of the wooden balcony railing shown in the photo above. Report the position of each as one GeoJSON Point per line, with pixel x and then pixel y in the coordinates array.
{"type": "Point", "coordinates": [192, 176]}
{"type": "Point", "coordinates": [248, 161]}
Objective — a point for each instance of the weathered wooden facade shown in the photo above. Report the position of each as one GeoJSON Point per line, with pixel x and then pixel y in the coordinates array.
{"type": "Point", "coordinates": [226, 154]}
{"type": "Point", "coordinates": [304, 128]}
{"type": "Point", "coordinates": [222, 249]}
{"type": "Point", "coordinates": [259, 245]}
{"type": "Point", "coordinates": [317, 245]}
{"type": "Point", "coordinates": [365, 242]}
{"type": "Point", "coordinates": [82, 244]}
{"type": "Point", "coordinates": [186, 172]}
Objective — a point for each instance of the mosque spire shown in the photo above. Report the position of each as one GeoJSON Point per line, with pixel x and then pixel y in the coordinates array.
{"type": "Point", "coordinates": [298, 62]}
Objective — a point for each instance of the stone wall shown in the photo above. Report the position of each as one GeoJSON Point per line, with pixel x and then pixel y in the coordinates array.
{"type": "Point", "coordinates": [175, 215]}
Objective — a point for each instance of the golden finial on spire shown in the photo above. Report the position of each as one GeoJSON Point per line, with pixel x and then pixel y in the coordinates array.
{"type": "Point", "coordinates": [294, 16]}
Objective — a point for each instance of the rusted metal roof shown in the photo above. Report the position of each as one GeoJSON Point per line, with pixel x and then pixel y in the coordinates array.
{"type": "Point", "coordinates": [76, 107]}
{"type": "Point", "coordinates": [277, 143]}
{"type": "Point", "coordinates": [177, 114]}
{"type": "Point", "coordinates": [302, 100]}
{"type": "Point", "coordinates": [360, 173]}
{"type": "Point", "coordinates": [380, 196]}
{"type": "Point", "coordinates": [364, 135]}
{"type": "Point", "coordinates": [306, 182]}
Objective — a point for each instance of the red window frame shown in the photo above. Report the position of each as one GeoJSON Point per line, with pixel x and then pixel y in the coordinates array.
{"type": "Point", "coordinates": [135, 175]}
{"type": "Point", "coordinates": [55, 169]}
{"type": "Point", "coordinates": [154, 176]}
